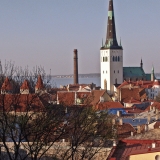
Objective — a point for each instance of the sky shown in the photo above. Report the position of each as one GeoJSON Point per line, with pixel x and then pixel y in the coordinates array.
{"type": "Point", "coordinates": [45, 33]}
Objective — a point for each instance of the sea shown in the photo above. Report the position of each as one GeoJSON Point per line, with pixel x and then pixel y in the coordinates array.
{"type": "Point", "coordinates": [57, 82]}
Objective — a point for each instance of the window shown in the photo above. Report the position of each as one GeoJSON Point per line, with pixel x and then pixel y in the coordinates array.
{"type": "Point", "coordinates": [118, 71]}
{"type": "Point", "coordinates": [105, 59]}
{"type": "Point", "coordinates": [118, 58]}
{"type": "Point", "coordinates": [103, 71]}
{"type": "Point", "coordinates": [113, 58]}
{"type": "Point", "coordinates": [106, 71]}
{"type": "Point", "coordinates": [114, 71]}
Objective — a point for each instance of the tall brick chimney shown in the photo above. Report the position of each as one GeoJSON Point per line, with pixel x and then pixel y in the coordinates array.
{"type": "Point", "coordinates": [75, 58]}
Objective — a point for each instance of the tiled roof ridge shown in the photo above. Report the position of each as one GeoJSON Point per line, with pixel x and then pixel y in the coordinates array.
{"type": "Point", "coordinates": [25, 85]}
{"type": "Point", "coordinates": [144, 141]}
{"type": "Point", "coordinates": [39, 84]}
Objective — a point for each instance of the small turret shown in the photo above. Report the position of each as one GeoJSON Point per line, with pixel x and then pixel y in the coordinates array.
{"type": "Point", "coordinates": [39, 85]}
{"type": "Point", "coordinates": [24, 89]}
{"type": "Point", "coordinates": [6, 86]}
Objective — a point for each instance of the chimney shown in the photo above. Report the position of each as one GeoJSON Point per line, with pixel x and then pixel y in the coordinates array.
{"type": "Point", "coordinates": [113, 121]}
{"type": "Point", "coordinates": [153, 145]}
{"type": "Point", "coordinates": [151, 108]}
{"type": "Point", "coordinates": [132, 134]}
{"type": "Point", "coordinates": [75, 58]}
{"type": "Point", "coordinates": [148, 119]}
{"type": "Point", "coordinates": [120, 121]}
{"type": "Point", "coordinates": [119, 113]}
{"type": "Point", "coordinates": [146, 128]}
{"type": "Point", "coordinates": [138, 129]}
{"type": "Point", "coordinates": [114, 143]}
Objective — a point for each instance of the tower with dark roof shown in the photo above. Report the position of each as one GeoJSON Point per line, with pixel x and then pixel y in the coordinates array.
{"type": "Point", "coordinates": [111, 55]}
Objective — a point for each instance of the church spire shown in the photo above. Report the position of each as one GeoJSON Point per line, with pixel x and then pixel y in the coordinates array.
{"type": "Point", "coordinates": [141, 64]}
{"type": "Point", "coordinates": [152, 74]}
{"type": "Point", "coordinates": [111, 40]}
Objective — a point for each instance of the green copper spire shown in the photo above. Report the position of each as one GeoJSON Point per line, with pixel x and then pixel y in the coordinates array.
{"type": "Point", "coordinates": [152, 69]}
{"type": "Point", "coordinates": [152, 74]}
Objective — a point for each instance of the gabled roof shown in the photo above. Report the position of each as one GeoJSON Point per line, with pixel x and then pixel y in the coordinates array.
{"type": "Point", "coordinates": [25, 85]}
{"type": "Point", "coordinates": [109, 105]}
{"type": "Point", "coordinates": [6, 85]}
{"type": "Point", "coordinates": [133, 72]}
{"type": "Point", "coordinates": [39, 84]}
{"type": "Point", "coordinates": [95, 96]}
{"type": "Point", "coordinates": [129, 94]}
{"type": "Point", "coordinates": [66, 98]}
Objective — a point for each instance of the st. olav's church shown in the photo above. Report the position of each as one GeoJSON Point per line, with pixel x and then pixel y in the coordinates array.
{"type": "Point", "coordinates": [111, 60]}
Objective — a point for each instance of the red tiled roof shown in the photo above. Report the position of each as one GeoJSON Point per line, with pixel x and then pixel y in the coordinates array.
{"type": "Point", "coordinates": [66, 98]}
{"type": "Point", "coordinates": [6, 85]}
{"type": "Point", "coordinates": [129, 147]}
{"type": "Point", "coordinates": [156, 104]}
{"type": "Point", "coordinates": [133, 110]}
{"type": "Point", "coordinates": [39, 84]}
{"type": "Point", "coordinates": [95, 96]}
{"type": "Point", "coordinates": [25, 85]}
{"type": "Point", "coordinates": [157, 124]}
{"type": "Point", "coordinates": [109, 105]}
{"type": "Point", "coordinates": [140, 84]}
{"type": "Point", "coordinates": [136, 94]}
{"type": "Point", "coordinates": [82, 94]}
{"type": "Point", "coordinates": [123, 84]}
{"type": "Point", "coordinates": [21, 102]}
{"type": "Point", "coordinates": [125, 130]}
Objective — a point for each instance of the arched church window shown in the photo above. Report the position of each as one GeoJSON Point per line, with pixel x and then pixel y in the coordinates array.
{"type": "Point", "coordinates": [118, 71]}
{"type": "Point", "coordinates": [103, 59]}
{"type": "Point", "coordinates": [118, 58]}
{"type": "Point", "coordinates": [113, 58]}
{"type": "Point", "coordinates": [114, 71]}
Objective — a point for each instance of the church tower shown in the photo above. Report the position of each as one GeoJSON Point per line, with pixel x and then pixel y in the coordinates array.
{"type": "Point", "coordinates": [111, 56]}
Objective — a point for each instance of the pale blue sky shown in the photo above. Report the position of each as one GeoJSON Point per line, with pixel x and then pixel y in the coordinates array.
{"type": "Point", "coordinates": [45, 32]}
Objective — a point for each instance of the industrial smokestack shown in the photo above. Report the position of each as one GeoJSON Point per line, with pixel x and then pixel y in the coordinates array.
{"type": "Point", "coordinates": [75, 58]}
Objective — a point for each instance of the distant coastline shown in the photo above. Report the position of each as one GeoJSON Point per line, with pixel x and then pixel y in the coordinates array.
{"type": "Point", "coordinates": [87, 75]}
